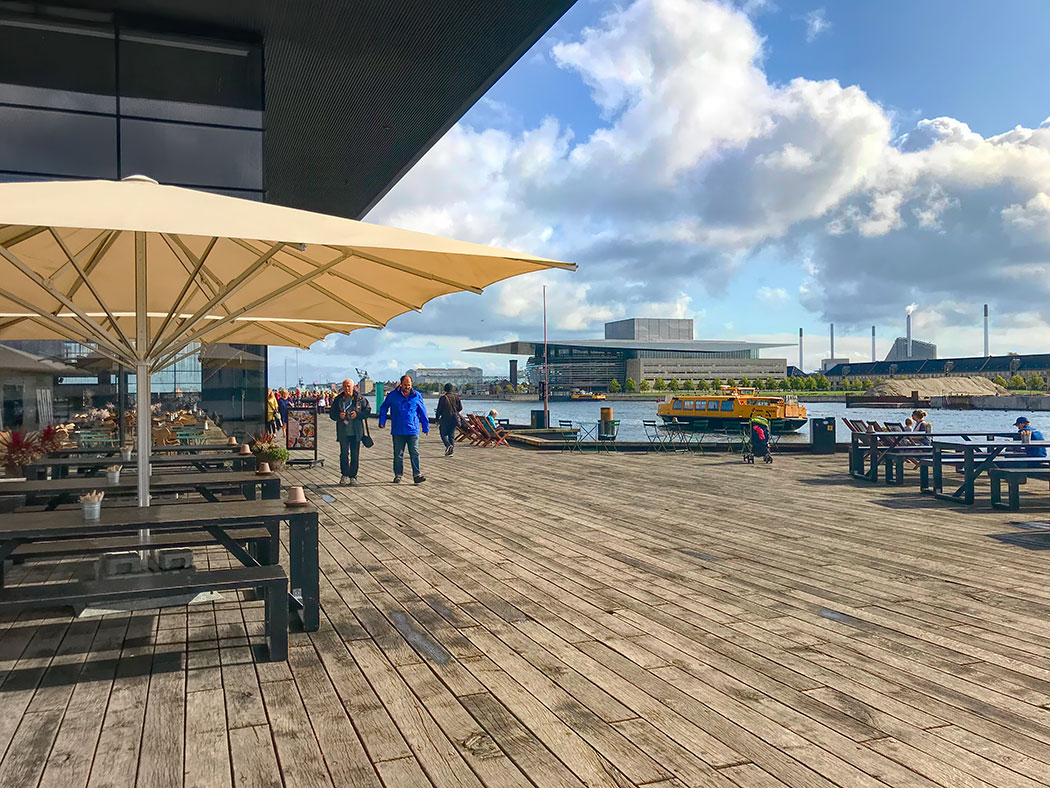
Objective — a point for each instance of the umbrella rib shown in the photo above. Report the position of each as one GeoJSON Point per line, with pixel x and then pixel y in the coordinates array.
{"type": "Point", "coordinates": [216, 283]}
{"type": "Point", "coordinates": [186, 287]}
{"type": "Point", "coordinates": [91, 288]}
{"type": "Point", "coordinates": [96, 330]}
{"type": "Point", "coordinates": [232, 287]}
{"type": "Point", "coordinates": [44, 315]}
{"type": "Point", "coordinates": [62, 268]}
{"type": "Point", "coordinates": [319, 288]}
{"type": "Point", "coordinates": [64, 330]}
{"type": "Point", "coordinates": [346, 278]}
{"type": "Point", "coordinates": [303, 279]}
{"type": "Point", "coordinates": [413, 271]}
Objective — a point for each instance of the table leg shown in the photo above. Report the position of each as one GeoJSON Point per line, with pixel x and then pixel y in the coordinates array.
{"type": "Point", "coordinates": [996, 482]}
{"type": "Point", "coordinates": [304, 578]}
{"type": "Point", "coordinates": [271, 489]}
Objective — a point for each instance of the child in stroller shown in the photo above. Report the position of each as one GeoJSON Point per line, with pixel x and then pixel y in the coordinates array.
{"type": "Point", "coordinates": [757, 442]}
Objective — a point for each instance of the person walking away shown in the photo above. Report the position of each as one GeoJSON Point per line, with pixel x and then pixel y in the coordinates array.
{"type": "Point", "coordinates": [349, 411]}
{"type": "Point", "coordinates": [448, 410]}
{"type": "Point", "coordinates": [408, 415]}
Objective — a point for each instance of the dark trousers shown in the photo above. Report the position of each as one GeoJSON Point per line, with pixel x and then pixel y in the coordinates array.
{"type": "Point", "coordinates": [402, 442]}
{"type": "Point", "coordinates": [350, 445]}
{"type": "Point", "coordinates": [448, 434]}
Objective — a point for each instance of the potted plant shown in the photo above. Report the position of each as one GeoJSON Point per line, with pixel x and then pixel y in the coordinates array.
{"type": "Point", "coordinates": [50, 440]}
{"type": "Point", "coordinates": [18, 448]}
{"type": "Point", "coordinates": [266, 448]}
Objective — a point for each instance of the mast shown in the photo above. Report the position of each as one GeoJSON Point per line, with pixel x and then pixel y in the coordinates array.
{"type": "Point", "coordinates": [546, 376]}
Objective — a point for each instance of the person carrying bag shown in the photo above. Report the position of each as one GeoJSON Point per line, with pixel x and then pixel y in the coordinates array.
{"type": "Point", "coordinates": [350, 412]}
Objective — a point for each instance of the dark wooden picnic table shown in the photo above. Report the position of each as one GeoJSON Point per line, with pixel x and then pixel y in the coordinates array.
{"type": "Point", "coordinates": [978, 457]}
{"type": "Point", "coordinates": [217, 519]}
{"type": "Point", "coordinates": [114, 451]}
{"type": "Point", "coordinates": [56, 492]}
{"type": "Point", "coordinates": [869, 450]}
{"type": "Point", "coordinates": [90, 466]}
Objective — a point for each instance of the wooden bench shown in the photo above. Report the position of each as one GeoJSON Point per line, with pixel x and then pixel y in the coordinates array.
{"type": "Point", "coordinates": [1014, 478]}
{"type": "Point", "coordinates": [257, 539]}
{"type": "Point", "coordinates": [161, 584]}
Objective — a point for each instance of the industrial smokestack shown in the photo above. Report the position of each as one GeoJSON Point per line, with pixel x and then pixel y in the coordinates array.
{"type": "Point", "coordinates": [832, 355]}
{"type": "Point", "coordinates": [873, 344]}
{"type": "Point", "coordinates": [800, 349]}
{"type": "Point", "coordinates": [986, 353]}
{"type": "Point", "coordinates": [909, 310]}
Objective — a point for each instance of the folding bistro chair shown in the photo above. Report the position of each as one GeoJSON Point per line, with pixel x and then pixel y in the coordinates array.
{"type": "Point", "coordinates": [585, 431]}
{"type": "Point", "coordinates": [655, 435]}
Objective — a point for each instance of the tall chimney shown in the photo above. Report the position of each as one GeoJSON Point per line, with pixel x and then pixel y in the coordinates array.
{"type": "Point", "coordinates": [873, 344]}
{"type": "Point", "coordinates": [832, 355]}
{"type": "Point", "coordinates": [908, 324]}
{"type": "Point", "coordinates": [986, 353]}
{"type": "Point", "coordinates": [800, 350]}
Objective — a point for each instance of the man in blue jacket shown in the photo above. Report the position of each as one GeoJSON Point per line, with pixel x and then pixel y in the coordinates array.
{"type": "Point", "coordinates": [408, 415]}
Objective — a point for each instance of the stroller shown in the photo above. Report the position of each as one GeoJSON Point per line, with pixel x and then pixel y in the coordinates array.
{"type": "Point", "coordinates": [756, 441]}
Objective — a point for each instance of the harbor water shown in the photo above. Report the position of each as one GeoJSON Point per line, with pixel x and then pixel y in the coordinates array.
{"type": "Point", "coordinates": [631, 415]}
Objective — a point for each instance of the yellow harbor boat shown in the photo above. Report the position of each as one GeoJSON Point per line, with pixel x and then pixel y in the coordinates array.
{"type": "Point", "coordinates": [731, 406]}
{"type": "Point", "coordinates": [590, 396]}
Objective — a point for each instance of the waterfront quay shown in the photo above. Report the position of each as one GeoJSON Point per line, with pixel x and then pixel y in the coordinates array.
{"type": "Point", "coordinates": [531, 618]}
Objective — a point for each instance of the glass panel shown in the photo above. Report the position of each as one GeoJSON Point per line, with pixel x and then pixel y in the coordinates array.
{"type": "Point", "coordinates": [60, 55]}
{"type": "Point", "coordinates": [58, 143]}
{"type": "Point", "coordinates": [712, 404]}
{"type": "Point", "coordinates": [688, 405]}
{"type": "Point", "coordinates": [192, 155]}
{"type": "Point", "coordinates": [727, 404]}
{"type": "Point", "coordinates": [677, 404]}
{"type": "Point", "coordinates": [197, 71]}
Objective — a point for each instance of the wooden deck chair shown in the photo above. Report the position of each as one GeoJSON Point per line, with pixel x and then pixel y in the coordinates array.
{"type": "Point", "coordinates": [497, 435]}
{"type": "Point", "coordinates": [481, 436]}
{"type": "Point", "coordinates": [874, 426]}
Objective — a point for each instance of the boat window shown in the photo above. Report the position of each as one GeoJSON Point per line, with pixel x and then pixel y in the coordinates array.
{"type": "Point", "coordinates": [712, 404]}
{"type": "Point", "coordinates": [700, 404]}
{"type": "Point", "coordinates": [688, 404]}
{"type": "Point", "coordinates": [727, 404]}
{"type": "Point", "coordinates": [677, 404]}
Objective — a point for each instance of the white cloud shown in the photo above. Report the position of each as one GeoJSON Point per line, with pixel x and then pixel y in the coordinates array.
{"type": "Point", "coordinates": [701, 162]}
{"type": "Point", "coordinates": [816, 24]}
{"type": "Point", "coordinates": [774, 295]}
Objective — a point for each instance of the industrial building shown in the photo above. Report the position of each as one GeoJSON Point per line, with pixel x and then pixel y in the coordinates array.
{"type": "Point", "coordinates": [641, 349]}
{"type": "Point", "coordinates": [316, 104]}
{"type": "Point", "coordinates": [457, 376]}
{"type": "Point", "coordinates": [984, 366]}
{"type": "Point", "coordinates": [919, 350]}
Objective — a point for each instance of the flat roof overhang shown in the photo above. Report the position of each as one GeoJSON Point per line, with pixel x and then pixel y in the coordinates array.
{"type": "Point", "coordinates": [524, 348]}
{"type": "Point", "coordinates": [356, 91]}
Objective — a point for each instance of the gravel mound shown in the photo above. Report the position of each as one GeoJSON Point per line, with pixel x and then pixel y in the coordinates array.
{"type": "Point", "coordinates": [937, 387]}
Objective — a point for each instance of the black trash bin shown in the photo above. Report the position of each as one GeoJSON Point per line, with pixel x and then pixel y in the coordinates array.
{"type": "Point", "coordinates": [538, 421]}
{"type": "Point", "coordinates": [822, 435]}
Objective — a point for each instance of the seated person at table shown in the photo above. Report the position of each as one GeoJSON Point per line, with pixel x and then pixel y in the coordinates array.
{"type": "Point", "coordinates": [1026, 433]}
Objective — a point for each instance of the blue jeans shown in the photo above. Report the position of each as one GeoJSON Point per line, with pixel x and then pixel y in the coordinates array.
{"type": "Point", "coordinates": [400, 442]}
{"type": "Point", "coordinates": [448, 435]}
{"type": "Point", "coordinates": [349, 455]}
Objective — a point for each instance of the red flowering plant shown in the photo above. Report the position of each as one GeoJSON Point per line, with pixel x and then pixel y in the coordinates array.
{"type": "Point", "coordinates": [18, 448]}
{"type": "Point", "coordinates": [50, 440]}
{"type": "Point", "coordinates": [267, 448]}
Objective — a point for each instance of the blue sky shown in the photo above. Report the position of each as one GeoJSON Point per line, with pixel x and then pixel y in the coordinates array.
{"type": "Point", "coordinates": [758, 166]}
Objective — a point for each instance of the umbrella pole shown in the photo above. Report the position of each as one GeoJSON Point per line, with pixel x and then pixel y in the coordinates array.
{"type": "Point", "coordinates": [143, 421]}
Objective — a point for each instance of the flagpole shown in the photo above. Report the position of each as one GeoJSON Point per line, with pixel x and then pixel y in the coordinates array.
{"type": "Point", "coordinates": [546, 377]}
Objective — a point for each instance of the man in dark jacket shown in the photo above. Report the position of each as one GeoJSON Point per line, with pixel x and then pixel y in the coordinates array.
{"type": "Point", "coordinates": [349, 411]}
{"type": "Point", "coordinates": [448, 409]}
{"type": "Point", "coordinates": [408, 415]}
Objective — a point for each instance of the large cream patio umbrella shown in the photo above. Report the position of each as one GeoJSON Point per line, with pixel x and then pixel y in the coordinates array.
{"type": "Point", "coordinates": [142, 272]}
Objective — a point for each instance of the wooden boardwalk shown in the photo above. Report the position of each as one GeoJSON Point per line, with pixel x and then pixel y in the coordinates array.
{"type": "Point", "coordinates": [556, 620]}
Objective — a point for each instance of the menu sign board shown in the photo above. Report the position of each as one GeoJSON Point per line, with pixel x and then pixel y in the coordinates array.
{"type": "Point", "coordinates": [302, 428]}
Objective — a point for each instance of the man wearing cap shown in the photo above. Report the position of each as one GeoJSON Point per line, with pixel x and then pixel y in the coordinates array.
{"type": "Point", "coordinates": [1024, 429]}
{"type": "Point", "coordinates": [408, 415]}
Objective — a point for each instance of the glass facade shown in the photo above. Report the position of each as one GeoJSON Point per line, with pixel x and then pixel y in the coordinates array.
{"type": "Point", "coordinates": [92, 95]}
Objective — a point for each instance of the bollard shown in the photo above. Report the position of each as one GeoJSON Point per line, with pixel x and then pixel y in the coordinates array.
{"type": "Point", "coordinates": [605, 428]}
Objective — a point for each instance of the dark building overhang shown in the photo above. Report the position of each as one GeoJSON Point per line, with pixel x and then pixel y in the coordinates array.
{"type": "Point", "coordinates": [356, 91]}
